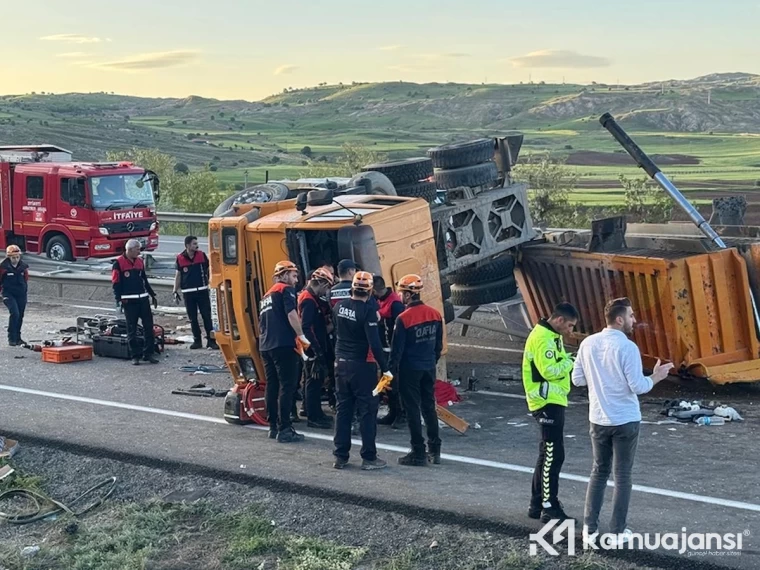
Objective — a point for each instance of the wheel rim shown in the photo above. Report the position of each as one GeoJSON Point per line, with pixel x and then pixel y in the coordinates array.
{"type": "Point", "coordinates": [57, 252]}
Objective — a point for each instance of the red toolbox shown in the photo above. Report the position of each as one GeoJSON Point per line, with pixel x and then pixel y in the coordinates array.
{"type": "Point", "coordinates": [64, 354]}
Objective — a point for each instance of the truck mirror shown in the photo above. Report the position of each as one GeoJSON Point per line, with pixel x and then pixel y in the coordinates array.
{"type": "Point", "coordinates": [153, 177]}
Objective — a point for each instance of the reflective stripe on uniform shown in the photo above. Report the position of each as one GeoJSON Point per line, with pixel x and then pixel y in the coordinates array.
{"type": "Point", "coordinates": [194, 289]}
{"type": "Point", "coordinates": [140, 296]}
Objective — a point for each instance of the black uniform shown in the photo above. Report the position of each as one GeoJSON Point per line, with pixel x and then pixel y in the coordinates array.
{"type": "Point", "coordinates": [132, 290]}
{"type": "Point", "coordinates": [417, 346]}
{"type": "Point", "coordinates": [390, 307]}
{"type": "Point", "coordinates": [358, 352]}
{"type": "Point", "coordinates": [13, 284]}
{"type": "Point", "coordinates": [194, 273]}
{"type": "Point", "coordinates": [315, 329]}
{"type": "Point", "coordinates": [277, 344]}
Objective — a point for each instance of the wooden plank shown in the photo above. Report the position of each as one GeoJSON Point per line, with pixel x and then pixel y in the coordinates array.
{"type": "Point", "coordinates": [451, 419]}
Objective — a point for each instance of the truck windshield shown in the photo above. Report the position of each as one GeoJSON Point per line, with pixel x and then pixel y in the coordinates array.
{"type": "Point", "coordinates": [120, 191]}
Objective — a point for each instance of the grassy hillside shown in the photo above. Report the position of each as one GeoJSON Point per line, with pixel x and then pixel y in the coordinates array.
{"type": "Point", "coordinates": [721, 136]}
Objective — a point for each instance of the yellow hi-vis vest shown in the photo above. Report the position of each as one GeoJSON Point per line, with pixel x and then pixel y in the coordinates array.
{"type": "Point", "coordinates": [546, 368]}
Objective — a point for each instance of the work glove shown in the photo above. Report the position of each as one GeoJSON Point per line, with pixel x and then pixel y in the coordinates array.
{"type": "Point", "coordinates": [154, 301]}
{"type": "Point", "coordinates": [384, 383]}
{"type": "Point", "coordinates": [177, 297]}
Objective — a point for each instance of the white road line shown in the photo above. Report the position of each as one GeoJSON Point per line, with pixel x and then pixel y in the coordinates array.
{"type": "Point", "coordinates": [395, 448]}
{"type": "Point", "coordinates": [497, 348]}
{"type": "Point", "coordinates": [515, 396]}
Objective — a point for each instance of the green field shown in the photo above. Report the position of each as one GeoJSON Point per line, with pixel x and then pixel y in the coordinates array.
{"type": "Point", "coordinates": [398, 120]}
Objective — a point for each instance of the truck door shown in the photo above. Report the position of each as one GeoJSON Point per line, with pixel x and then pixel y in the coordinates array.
{"type": "Point", "coordinates": [29, 207]}
{"type": "Point", "coordinates": [72, 210]}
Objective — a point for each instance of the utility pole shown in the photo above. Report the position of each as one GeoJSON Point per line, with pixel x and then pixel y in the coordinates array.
{"type": "Point", "coordinates": [245, 184]}
{"type": "Point", "coordinates": [709, 93]}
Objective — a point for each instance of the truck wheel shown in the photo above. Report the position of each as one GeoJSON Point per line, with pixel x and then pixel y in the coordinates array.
{"type": "Point", "coordinates": [272, 192]}
{"type": "Point", "coordinates": [424, 190]}
{"type": "Point", "coordinates": [378, 183]}
{"type": "Point", "coordinates": [448, 312]}
{"type": "Point", "coordinates": [402, 172]}
{"type": "Point", "coordinates": [476, 175]}
{"type": "Point", "coordinates": [492, 270]}
{"type": "Point", "coordinates": [485, 293]}
{"type": "Point", "coordinates": [59, 249]}
{"type": "Point", "coordinates": [445, 288]}
{"type": "Point", "coordinates": [462, 154]}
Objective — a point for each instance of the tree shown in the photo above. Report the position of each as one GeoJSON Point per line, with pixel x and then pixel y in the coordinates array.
{"type": "Point", "coordinates": [213, 118]}
{"type": "Point", "coordinates": [645, 202]}
{"type": "Point", "coordinates": [549, 185]}
{"type": "Point", "coordinates": [169, 123]}
{"type": "Point", "coordinates": [184, 122]}
{"type": "Point", "coordinates": [306, 151]}
{"type": "Point", "coordinates": [354, 157]}
{"type": "Point", "coordinates": [181, 168]}
{"type": "Point", "coordinates": [275, 159]}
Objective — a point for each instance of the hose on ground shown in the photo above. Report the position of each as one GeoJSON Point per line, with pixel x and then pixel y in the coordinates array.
{"type": "Point", "coordinates": [40, 501]}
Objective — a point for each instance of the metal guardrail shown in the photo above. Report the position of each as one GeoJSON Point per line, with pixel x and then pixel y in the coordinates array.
{"type": "Point", "coordinates": [183, 217]}
{"type": "Point", "coordinates": [65, 277]}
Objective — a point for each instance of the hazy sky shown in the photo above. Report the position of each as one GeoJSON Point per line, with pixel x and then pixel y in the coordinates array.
{"type": "Point", "coordinates": [250, 49]}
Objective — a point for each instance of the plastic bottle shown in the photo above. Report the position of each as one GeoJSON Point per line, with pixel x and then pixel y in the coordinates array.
{"type": "Point", "coordinates": [710, 421]}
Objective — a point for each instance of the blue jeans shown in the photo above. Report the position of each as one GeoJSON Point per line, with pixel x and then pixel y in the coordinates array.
{"type": "Point", "coordinates": [16, 306]}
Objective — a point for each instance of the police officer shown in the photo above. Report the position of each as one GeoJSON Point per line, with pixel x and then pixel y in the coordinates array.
{"type": "Point", "coordinates": [417, 346]}
{"type": "Point", "coordinates": [132, 292]}
{"type": "Point", "coordinates": [315, 329]}
{"type": "Point", "coordinates": [356, 372]}
{"type": "Point", "coordinates": [546, 369]}
{"type": "Point", "coordinates": [14, 277]}
{"type": "Point", "coordinates": [281, 334]}
{"type": "Point", "coordinates": [390, 307]}
{"type": "Point", "coordinates": [191, 278]}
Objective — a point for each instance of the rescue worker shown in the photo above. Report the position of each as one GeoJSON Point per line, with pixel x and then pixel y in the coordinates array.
{"type": "Point", "coordinates": [356, 372]}
{"type": "Point", "coordinates": [390, 307]}
{"type": "Point", "coordinates": [281, 335]}
{"type": "Point", "coordinates": [133, 297]}
{"type": "Point", "coordinates": [417, 346]}
{"type": "Point", "coordinates": [342, 289]}
{"type": "Point", "coordinates": [315, 329]}
{"type": "Point", "coordinates": [14, 278]}
{"type": "Point", "coordinates": [191, 278]}
{"type": "Point", "coordinates": [326, 309]}
{"type": "Point", "coordinates": [546, 369]}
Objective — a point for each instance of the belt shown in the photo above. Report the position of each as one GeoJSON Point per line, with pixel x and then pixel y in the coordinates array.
{"type": "Point", "coordinates": [193, 290]}
{"type": "Point", "coordinates": [140, 296]}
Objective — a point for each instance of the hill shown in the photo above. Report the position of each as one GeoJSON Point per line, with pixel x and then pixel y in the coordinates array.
{"type": "Point", "coordinates": [398, 119]}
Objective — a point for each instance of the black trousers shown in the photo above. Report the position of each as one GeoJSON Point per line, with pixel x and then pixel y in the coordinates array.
{"type": "Point", "coordinates": [354, 382]}
{"type": "Point", "coordinates": [315, 373]}
{"type": "Point", "coordinates": [195, 302]}
{"type": "Point", "coordinates": [418, 397]}
{"type": "Point", "coordinates": [16, 306]}
{"type": "Point", "coordinates": [139, 310]}
{"type": "Point", "coordinates": [281, 369]}
{"type": "Point", "coordinates": [551, 455]}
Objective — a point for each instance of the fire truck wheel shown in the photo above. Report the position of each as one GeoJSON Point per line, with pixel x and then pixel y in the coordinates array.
{"type": "Point", "coordinates": [493, 292]}
{"type": "Point", "coordinates": [448, 312]}
{"type": "Point", "coordinates": [59, 249]}
{"type": "Point", "coordinates": [493, 269]}
{"type": "Point", "coordinates": [400, 172]}
{"type": "Point", "coordinates": [462, 154]}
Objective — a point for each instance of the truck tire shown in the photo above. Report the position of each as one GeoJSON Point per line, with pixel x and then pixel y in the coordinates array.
{"type": "Point", "coordinates": [485, 293]}
{"type": "Point", "coordinates": [476, 175]}
{"type": "Point", "coordinates": [448, 312]}
{"type": "Point", "coordinates": [445, 288]}
{"type": "Point", "coordinates": [425, 190]}
{"type": "Point", "coordinates": [272, 192]}
{"type": "Point", "coordinates": [400, 172]}
{"type": "Point", "coordinates": [462, 154]}
{"type": "Point", "coordinates": [59, 249]}
{"type": "Point", "coordinates": [493, 270]}
{"type": "Point", "coordinates": [378, 183]}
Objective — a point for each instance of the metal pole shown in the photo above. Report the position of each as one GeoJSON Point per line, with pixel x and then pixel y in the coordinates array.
{"type": "Point", "coordinates": [641, 158]}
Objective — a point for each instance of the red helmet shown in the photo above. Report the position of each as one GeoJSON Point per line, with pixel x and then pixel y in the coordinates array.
{"type": "Point", "coordinates": [362, 281]}
{"type": "Point", "coordinates": [284, 267]}
{"type": "Point", "coordinates": [410, 283]}
{"type": "Point", "coordinates": [323, 274]}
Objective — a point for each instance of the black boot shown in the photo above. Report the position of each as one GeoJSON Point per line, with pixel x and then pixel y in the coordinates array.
{"type": "Point", "coordinates": [211, 343]}
{"type": "Point", "coordinates": [555, 512]}
{"type": "Point", "coordinates": [415, 458]}
{"type": "Point", "coordinates": [196, 344]}
{"type": "Point", "coordinates": [434, 453]}
{"type": "Point", "coordinates": [400, 421]}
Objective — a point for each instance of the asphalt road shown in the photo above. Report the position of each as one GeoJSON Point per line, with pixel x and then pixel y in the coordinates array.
{"type": "Point", "coordinates": [700, 478]}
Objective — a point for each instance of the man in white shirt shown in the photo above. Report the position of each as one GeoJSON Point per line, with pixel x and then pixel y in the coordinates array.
{"type": "Point", "coordinates": [609, 363]}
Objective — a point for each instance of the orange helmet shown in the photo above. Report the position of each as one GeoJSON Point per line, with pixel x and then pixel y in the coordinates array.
{"type": "Point", "coordinates": [323, 274]}
{"type": "Point", "coordinates": [284, 267]}
{"type": "Point", "coordinates": [362, 281]}
{"type": "Point", "coordinates": [12, 250]}
{"type": "Point", "coordinates": [410, 283]}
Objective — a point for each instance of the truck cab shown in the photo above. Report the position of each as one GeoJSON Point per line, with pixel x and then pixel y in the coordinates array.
{"type": "Point", "coordinates": [70, 210]}
{"type": "Point", "coordinates": [386, 235]}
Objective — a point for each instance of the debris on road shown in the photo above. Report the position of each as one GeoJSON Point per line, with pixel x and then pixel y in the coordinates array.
{"type": "Point", "coordinates": [200, 390]}
{"type": "Point", "coordinates": [8, 447]}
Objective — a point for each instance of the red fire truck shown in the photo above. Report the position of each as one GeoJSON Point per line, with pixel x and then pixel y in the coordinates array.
{"type": "Point", "coordinates": [72, 210]}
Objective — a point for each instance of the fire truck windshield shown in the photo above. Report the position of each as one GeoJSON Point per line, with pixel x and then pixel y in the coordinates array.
{"type": "Point", "coordinates": [120, 191]}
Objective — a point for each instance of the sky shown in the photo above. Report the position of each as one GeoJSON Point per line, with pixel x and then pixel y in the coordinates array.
{"type": "Point", "coordinates": [236, 49]}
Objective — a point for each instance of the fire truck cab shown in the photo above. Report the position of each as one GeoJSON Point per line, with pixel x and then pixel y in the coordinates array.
{"type": "Point", "coordinates": [70, 210]}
